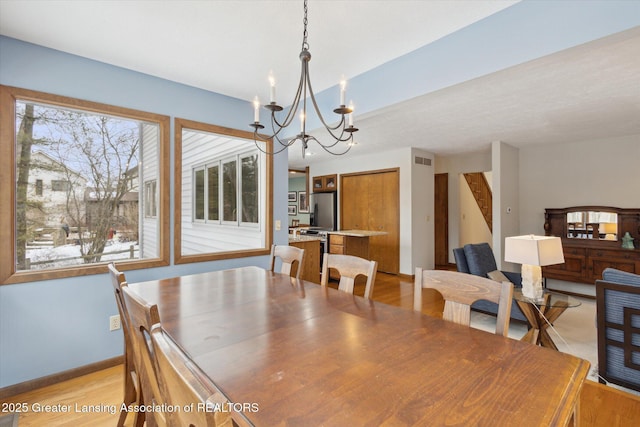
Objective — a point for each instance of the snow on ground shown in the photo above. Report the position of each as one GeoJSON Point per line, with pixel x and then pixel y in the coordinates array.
{"type": "Point", "coordinates": [69, 255]}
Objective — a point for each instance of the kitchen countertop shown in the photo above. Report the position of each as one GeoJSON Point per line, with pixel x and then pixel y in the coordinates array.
{"type": "Point", "coordinates": [358, 233]}
{"type": "Point", "coordinates": [303, 238]}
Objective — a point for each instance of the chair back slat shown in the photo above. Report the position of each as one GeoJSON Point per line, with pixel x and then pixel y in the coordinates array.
{"type": "Point", "coordinates": [290, 256]}
{"type": "Point", "coordinates": [349, 267]}
{"type": "Point", "coordinates": [460, 290]}
{"type": "Point", "coordinates": [143, 318]}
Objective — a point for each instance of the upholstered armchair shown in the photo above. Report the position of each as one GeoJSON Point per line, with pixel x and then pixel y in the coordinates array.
{"type": "Point", "coordinates": [618, 319]}
{"type": "Point", "coordinates": [478, 259]}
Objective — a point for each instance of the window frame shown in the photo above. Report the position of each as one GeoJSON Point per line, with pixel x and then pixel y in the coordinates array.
{"type": "Point", "coordinates": [8, 98]}
{"type": "Point", "coordinates": [182, 124]}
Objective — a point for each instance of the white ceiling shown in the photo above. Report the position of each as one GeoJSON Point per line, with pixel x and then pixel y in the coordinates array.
{"type": "Point", "coordinates": [230, 47]}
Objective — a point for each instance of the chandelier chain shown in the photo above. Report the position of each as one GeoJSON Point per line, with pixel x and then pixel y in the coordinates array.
{"type": "Point", "coordinates": [305, 45]}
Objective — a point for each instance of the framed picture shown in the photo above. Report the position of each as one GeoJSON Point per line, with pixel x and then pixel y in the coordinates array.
{"type": "Point", "coordinates": [293, 210]}
{"type": "Point", "coordinates": [293, 196]}
{"type": "Point", "coordinates": [303, 204]}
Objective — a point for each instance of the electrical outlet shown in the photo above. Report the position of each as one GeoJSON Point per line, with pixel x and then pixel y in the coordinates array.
{"type": "Point", "coordinates": [114, 323]}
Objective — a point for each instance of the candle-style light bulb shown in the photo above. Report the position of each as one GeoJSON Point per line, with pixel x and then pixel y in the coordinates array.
{"type": "Point", "coordinates": [256, 109]}
{"type": "Point", "coordinates": [302, 122]}
{"type": "Point", "coordinates": [343, 86]}
{"type": "Point", "coordinates": [272, 83]}
{"type": "Point", "coordinates": [351, 113]}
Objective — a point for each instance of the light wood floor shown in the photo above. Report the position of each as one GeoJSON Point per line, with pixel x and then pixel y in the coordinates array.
{"type": "Point", "coordinates": [102, 391]}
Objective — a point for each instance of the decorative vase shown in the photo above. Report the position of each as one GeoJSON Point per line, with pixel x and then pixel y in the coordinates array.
{"type": "Point", "coordinates": [627, 241]}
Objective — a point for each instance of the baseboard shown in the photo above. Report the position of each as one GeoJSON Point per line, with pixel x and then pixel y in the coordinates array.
{"type": "Point", "coordinates": [37, 383]}
{"type": "Point", "coordinates": [409, 277]}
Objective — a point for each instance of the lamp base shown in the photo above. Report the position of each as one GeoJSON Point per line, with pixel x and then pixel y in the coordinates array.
{"type": "Point", "coordinates": [532, 281]}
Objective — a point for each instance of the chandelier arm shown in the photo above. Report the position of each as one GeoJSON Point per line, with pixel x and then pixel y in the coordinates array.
{"type": "Point", "coordinates": [267, 152]}
{"type": "Point", "coordinates": [257, 137]}
{"type": "Point", "coordinates": [285, 144]}
{"type": "Point", "coordinates": [326, 126]}
{"type": "Point", "coordinates": [326, 147]}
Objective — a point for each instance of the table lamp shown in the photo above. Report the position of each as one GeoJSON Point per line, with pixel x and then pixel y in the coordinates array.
{"type": "Point", "coordinates": [610, 229]}
{"type": "Point", "coordinates": [533, 252]}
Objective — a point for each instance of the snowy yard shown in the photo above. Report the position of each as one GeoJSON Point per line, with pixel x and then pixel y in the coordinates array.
{"type": "Point", "coordinates": [69, 255]}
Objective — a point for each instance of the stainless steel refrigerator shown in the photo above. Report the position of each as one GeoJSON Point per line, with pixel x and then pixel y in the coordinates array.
{"type": "Point", "coordinates": [323, 210]}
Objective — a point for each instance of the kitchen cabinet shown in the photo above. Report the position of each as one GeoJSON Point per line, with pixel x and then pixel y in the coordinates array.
{"type": "Point", "coordinates": [325, 183]}
{"type": "Point", "coordinates": [370, 201]}
{"type": "Point", "coordinates": [351, 242]}
{"type": "Point", "coordinates": [311, 267]}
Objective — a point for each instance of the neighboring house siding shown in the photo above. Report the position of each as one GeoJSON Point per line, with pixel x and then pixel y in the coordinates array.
{"type": "Point", "coordinates": [54, 197]}
{"type": "Point", "coordinates": [199, 237]}
{"type": "Point", "coordinates": [149, 245]}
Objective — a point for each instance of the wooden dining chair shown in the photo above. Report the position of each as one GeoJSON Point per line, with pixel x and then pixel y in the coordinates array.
{"type": "Point", "coordinates": [288, 255]}
{"type": "Point", "coordinates": [142, 318]}
{"type": "Point", "coordinates": [460, 290]}
{"type": "Point", "coordinates": [349, 267]}
{"type": "Point", "coordinates": [132, 391]}
{"type": "Point", "coordinates": [184, 384]}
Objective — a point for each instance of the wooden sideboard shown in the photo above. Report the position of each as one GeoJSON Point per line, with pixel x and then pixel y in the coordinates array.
{"type": "Point", "coordinates": [586, 258]}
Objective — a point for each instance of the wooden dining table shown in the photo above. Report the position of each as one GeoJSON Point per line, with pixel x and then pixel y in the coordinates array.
{"type": "Point", "coordinates": [291, 353]}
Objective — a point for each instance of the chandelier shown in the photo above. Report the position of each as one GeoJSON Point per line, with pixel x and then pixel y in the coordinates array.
{"type": "Point", "coordinates": [341, 132]}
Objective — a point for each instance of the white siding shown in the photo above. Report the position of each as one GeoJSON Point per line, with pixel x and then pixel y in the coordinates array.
{"type": "Point", "coordinates": [198, 148]}
{"type": "Point", "coordinates": [149, 170]}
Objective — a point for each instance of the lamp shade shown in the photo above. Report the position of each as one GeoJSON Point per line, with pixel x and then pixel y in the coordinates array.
{"type": "Point", "coordinates": [533, 250]}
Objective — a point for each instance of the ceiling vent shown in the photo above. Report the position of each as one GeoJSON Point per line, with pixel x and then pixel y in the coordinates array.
{"type": "Point", "coordinates": [423, 161]}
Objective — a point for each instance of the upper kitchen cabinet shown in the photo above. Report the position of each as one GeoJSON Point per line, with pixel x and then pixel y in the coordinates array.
{"type": "Point", "coordinates": [325, 183]}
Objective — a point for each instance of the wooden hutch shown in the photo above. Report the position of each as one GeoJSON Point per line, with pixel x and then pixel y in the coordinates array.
{"type": "Point", "coordinates": [587, 249]}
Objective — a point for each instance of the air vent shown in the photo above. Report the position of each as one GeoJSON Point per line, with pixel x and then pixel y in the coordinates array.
{"type": "Point", "coordinates": [423, 161]}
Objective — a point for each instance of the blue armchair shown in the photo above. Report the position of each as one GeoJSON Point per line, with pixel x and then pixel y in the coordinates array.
{"type": "Point", "coordinates": [618, 319]}
{"type": "Point", "coordinates": [478, 259]}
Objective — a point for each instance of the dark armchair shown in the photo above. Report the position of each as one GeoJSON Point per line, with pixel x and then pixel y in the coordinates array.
{"type": "Point", "coordinates": [478, 259]}
{"type": "Point", "coordinates": [618, 319]}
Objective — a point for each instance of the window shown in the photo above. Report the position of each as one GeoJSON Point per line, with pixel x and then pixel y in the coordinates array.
{"type": "Point", "coordinates": [57, 185]}
{"type": "Point", "coordinates": [96, 210]}
{"type": "Point", "coordinates": [150, 202]}
{"type": "Point", "coordinates": [239, 187]}
{"type": "Point", "coordinates": [198, 204]}
{"type": "Point", "coordinates": [250, 188]}
{"type": "Point", "coordinates": [229, 191]}
{"type": "Point", "coordinates": [223, 200]}
{"type": "Point", "coordinates": [213, 195]}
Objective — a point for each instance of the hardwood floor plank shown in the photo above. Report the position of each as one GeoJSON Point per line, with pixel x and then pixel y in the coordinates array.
{"type": "Point", "coordinates": [90, 400]}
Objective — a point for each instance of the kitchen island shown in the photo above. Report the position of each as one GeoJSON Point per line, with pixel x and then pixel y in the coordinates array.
{"type": "Point", "coordinates": [352, 242]}
{"type": "Point", "coordinates": [312, 256]}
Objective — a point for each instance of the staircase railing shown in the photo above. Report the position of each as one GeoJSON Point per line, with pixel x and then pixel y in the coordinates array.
{"type": "Point", "coordinates": [482, 193]}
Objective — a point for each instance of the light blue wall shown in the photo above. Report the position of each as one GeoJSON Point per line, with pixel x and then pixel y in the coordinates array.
{"type": "Point", "coordinates": [298, 184]}
{"type": "Point", "coordinates": [52, 326]}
